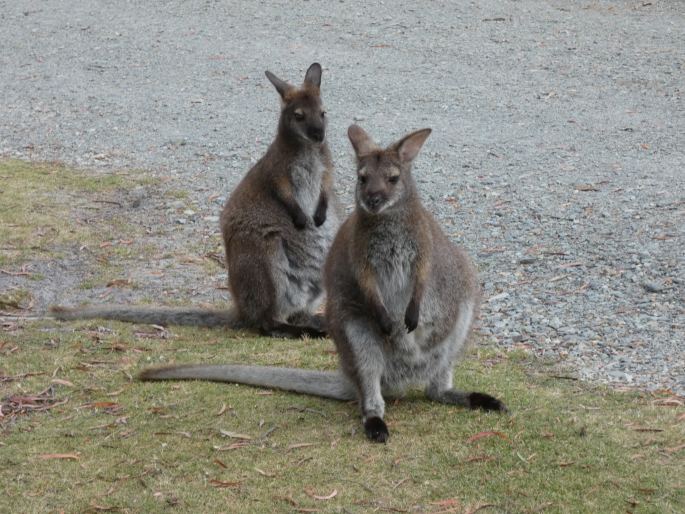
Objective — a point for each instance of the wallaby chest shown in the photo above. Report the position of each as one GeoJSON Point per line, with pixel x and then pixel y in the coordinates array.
{"type": "Point", "coordinates": [306, 174]}
{"type": "Point", "coordinates": [392, 253]}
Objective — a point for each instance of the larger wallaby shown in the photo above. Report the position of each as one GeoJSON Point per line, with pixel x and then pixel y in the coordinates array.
{"type": "Point", "coordinates": [277, 227]}
{"type": "Point", "coordinates": [401, 299]}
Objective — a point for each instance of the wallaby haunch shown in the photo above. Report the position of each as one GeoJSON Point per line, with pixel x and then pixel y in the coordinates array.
{"type": "Point", "coordinates": [401, 299]}
{"type": "Point", "coordinates": [277, 227]}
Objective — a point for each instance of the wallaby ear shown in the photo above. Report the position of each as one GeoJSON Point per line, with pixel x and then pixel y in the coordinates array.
{"type": "Point", "coordinates": [408, 147]}
{"type": "Point", "coordinates": [281, 85]}
{"type": "Point", "coordinates": [361, 141]}
{"type": "Point", "coordinates": [313, 75]}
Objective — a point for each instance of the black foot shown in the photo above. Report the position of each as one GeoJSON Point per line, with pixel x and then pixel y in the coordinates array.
{"type": "Point", "coordinates": [376, 430]}
{"type": "Point", "coordinates": [486, 402]}
{"type": "Point", "coordinates": [293, 331]}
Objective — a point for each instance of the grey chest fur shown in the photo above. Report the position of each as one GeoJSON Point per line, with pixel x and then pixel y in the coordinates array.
{"type": "Point", "coordinates": [392, 254]}
{"type": "Point", "coordinates": [306, 174]}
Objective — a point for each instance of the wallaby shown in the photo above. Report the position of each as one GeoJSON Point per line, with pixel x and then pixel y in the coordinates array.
{"type": "Point", "coordinates": [401, 299]}
{"type": "Point", "coordinates": [277, 227]}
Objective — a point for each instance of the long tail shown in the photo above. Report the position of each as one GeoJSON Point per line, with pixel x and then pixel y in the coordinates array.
{"type": "Point", "coordinates": [228, 318]}
{"type": "Point", "coordinates": [327, 384]}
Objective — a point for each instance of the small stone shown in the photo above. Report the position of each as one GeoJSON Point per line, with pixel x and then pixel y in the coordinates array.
{"type": "Point", "coordinates": [653, 287]}
{"type": "Point", "coordinates": [527, 260]}
{"type": "Point", "coordinates": [189, 212]}
{"type": "Point", "coordinates": [500, 296]}
{"type": "Point", "coordinates": [181, 221]}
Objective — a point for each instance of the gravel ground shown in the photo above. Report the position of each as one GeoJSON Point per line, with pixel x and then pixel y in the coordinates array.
{"type": "Point", "coordinates": [557, 154]}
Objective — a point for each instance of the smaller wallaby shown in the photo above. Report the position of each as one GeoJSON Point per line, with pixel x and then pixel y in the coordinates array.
{"type": "Point", "coordinates": [277, 227]}
{"type": "Point", "coordinates": [401, 299]}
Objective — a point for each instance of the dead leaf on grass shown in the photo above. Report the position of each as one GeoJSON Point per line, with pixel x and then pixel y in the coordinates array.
{"type": "Point", "coordinates": [224, 484]}
{"type": "Point", "coordinates": [675, 449]}
{"type": "Point", "coordinates": [638, 428]}
{"type": "Point", "coordinates": [234, 446]}
{"type": "Point", "coordinates": [265, 473]}
{"type": "Point", "coordinates": [669, 402]}
{"type": "Point", "coordinates": [479, 507]}
{"type": "Point", "coordinates": [480, 458]}
{"type": "Point", "coordinates": [448, 502]}
{"type": "Point", "coordinates": [223, 409]}
{"type": "Point", "coordinates": [61, 382]}
{"type": "Point", "coordinates": [311, 494]}
{"type": "Point", "coordinates": [235, 435]}
{"type": "Point", "coordinates": [64, 456]}
{"type": "Point", "coordinates": [218, 462]}
{"type": "Point", "coordinates": [299, 445]}
{"type": "Point", "coordinates": [489, 433]}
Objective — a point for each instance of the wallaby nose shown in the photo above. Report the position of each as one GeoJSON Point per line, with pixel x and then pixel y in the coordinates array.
{"type": "Point", "coordinates": [316, 134]}
{"type": "Point", "coordinates": [374, 200]}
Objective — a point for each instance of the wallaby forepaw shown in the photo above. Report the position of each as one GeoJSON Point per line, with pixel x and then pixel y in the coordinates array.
{"type": "Point", "coordinates": [411, 317]}
{"type": "Point", "coordinates": [376, 430]}
{"type": "Point", "coordinates": [300, 220]}
{"type": "Point", "coordinates": [385, 323]}
{"type": "Point", "coordinates": [320, 216]}
{"type": "Point", "coordinates": [486, 402]}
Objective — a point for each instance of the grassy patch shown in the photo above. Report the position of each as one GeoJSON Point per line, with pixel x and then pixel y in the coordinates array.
{"type": "Point", "coordinates": [133, 447]}
{"type": "Point", "coordinates": [47, 207]}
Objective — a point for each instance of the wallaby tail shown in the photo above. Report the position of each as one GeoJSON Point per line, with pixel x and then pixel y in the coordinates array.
{"type": "Point", "coordinates": [228, 318]}
{"type": "Point", "coordinates": [326, 384]}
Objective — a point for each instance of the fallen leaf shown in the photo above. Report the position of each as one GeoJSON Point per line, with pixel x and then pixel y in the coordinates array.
{"type": "Point", "coordinates": [644, 429]}
{"type": "Point", "coordinates": [480, 458]}
{"type": "Point", "coordinates": [299, 445]}
{"type": "Point", "coordinates": [235, 435]}
{"type": "Point", "coordinates": [489, 433]}
{"type": "Point", "coordinates": [223, 409]}
{"type": "Point", "coordinates": [264, 473]}
{"type": "Point", "coordinates": [234, 446]}
{"type": "Point", "coordinates": [669, 402]}
{"type": "Point", "coordinates": [66, 456]}
{"type": "Point", "coordinates": [217, 461]}
{"type": "Point", "coordinates": [480, 506]}
{"type": "Point", "coordinates": [101, 508]}
{"type": "Point", "coordinates": [224, 484]}
{"type": "Point", "coordinates": [674, 449]}
{"type": "Point", "coordinates": [311, 494]}
{"type": "Point", "coordinates": [449, 502]}
{"type": "Point", "coordinates": [119, 282]}
{"type": "Point", "coordinates": [61, 382]}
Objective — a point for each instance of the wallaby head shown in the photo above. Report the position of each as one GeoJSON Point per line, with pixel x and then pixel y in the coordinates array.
{"type": "Point", "coordinates": [384, 175]}
{"type": "Point", "coordinates": [303, 116]}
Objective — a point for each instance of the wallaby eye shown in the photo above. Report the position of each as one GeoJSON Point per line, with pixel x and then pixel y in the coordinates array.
{"type": "Point", "coordinates": [394, 179]}
{"type": "Point", "coordinates": [299, 115]}
{"type": "Point", "coordinates": [323, 114]}
{"type": "Point", "coordinates": [362, 179]}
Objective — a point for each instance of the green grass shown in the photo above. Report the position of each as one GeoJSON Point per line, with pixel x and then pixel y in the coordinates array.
{"type": "Point", "coordinates": [106, 443]}
{"type": "Point", "coordinates": [142, 447]}
{"type": "Point", "coordinates": [38, 203]}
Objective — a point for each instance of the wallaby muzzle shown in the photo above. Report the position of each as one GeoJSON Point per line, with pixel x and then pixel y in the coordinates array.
{"type": "Point", "coordinates": [316, 134]}
{"type": "Point", "coordinates": [374, 201]}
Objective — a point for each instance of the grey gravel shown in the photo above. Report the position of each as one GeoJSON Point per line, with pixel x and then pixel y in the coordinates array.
{"type": "Point", "coordinates": [557, 154]}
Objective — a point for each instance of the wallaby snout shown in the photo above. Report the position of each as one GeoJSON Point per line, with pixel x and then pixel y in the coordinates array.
{"type": "Point", "coordinates": [374, 200]}
{"type": "Point", "coordinates": [317, 133]}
